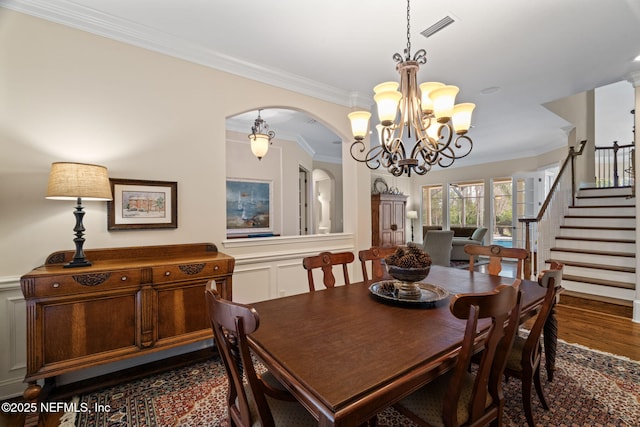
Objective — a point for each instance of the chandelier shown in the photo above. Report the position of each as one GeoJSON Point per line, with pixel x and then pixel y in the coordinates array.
{"type": "Point", "coordinates": [428, 111]}
{"type": "Point", "coordinates": [260, 137]}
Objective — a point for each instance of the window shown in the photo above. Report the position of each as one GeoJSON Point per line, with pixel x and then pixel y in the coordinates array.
{"type": "Point", "coordinates": [503, 212]}
{"type": "Point", "coordinates": [432, 205]}
{"type": "Point", "coordinates": [466, 204]}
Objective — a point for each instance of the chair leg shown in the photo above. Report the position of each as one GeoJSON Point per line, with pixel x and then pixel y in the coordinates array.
{"type": "Point", "coordinates": [538, 384]}
{"type": "Point", "coordinates": [526, 400]}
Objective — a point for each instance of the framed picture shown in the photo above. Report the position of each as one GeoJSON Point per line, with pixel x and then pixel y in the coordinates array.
{"type": "Point", "coordinates": [139, 204]}
{"type": "Point", "coordinates": [249, 206]}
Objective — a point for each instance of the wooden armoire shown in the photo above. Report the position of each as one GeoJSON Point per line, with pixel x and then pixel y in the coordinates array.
{"type": "Point", "coordinates": [388, 219]}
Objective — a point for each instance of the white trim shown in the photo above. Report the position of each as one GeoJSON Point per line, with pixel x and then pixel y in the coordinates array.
{"type": "Point", "coordinates": [9, 283]}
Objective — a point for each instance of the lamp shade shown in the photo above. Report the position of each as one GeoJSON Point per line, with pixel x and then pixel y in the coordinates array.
{"type": "Point", "coordinates": [425, 89]}
{"type": "Point", "coordinates": [387, 103]}
{"type": "Point", "coordinates": [359, 123]}
{"type": "Point", "coordinates": [387, 98]}
{"type": "Point", "coordinates": [68, 181]}
{"type": "Point", "coordinates": [443, 100]}
{"type": "Point", "coordinates": [462, 117]}
{"type": "Point", "coordinates": [259, 144]}
{"type": "Point", "coordinates": [412, 214]}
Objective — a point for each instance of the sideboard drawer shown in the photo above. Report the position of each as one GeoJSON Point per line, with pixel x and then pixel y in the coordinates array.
{"type": "Point", "coordinates": [190, 271]}
{"type": "Point", "coordinates": [78, 282]}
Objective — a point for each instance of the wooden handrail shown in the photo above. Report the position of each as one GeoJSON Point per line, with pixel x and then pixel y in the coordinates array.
{"type": "Point", "coordinates": [573, 153]}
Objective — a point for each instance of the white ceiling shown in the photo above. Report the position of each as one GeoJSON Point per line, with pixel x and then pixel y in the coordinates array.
{"type": "Point", "coordinates": [534, 52]}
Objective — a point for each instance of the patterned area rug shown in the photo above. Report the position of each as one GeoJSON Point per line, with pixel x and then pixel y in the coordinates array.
{"type": "Point", "coordinates": [589, 389]}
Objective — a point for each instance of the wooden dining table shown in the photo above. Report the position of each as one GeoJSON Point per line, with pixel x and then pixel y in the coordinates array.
{"type": "Point", "coordinates": [346, 355]}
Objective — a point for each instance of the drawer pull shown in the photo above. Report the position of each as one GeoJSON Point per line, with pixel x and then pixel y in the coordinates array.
{"type": "Point", "coordinates": [216, 267]}
{"type": "Point", "coordinates": [123, 278]}
{"type": "Point", "coordinates": [167, 273]}
{"type": "Point", "coordinates": [56, 285]}
{"type": "Point", "coordinates": [191, 268]}
{"type": "Point", "coordinates": [93, 279]}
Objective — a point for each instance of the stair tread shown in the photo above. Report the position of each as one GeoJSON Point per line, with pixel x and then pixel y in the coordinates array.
{"type": "Point", "coordinates": [596, 266]}
{"type": "Point", "coordinates": [595, 227]}
{"type": "Point", "coordinates": [594, 252]}
{"type": "Point", "coordinates": [603, 282]}
{"type": "Point", "coordinates": [602, 216]}
{"type": "Point", "coordinates": [605, 196]}
{"type": "Point", "coordinates": [595, 239]}
{"type": "Point", "coordinates": [600, 206]}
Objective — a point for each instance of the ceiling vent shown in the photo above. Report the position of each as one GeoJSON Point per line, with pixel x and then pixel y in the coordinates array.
{"type": "Point", "coordinates": [447, 20]}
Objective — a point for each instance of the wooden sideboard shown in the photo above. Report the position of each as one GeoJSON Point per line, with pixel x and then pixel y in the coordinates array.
{"type": "Point", "coordinates": [131, 301]}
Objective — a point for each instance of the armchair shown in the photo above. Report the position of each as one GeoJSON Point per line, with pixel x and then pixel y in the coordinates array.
{"type": "Point", "coordinates": [458, 243]}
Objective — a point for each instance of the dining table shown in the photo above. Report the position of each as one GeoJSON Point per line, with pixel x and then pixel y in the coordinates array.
{"type": "Point", "coordinates": [346, 354]}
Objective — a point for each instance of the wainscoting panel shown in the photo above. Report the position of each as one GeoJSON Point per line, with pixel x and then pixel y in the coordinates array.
{"type": "Point", "coordinates": [291, 278]}
{"type": "Point", "coordinates": [252, 283]}
{"type": "Point", "coordinates": [13, 359]}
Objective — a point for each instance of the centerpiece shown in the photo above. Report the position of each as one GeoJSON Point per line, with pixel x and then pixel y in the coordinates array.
{"type": "Point", "coordinates": [409, 265]}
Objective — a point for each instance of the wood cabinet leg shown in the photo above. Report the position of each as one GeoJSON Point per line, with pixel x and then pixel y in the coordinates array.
{"type": "Point", "coordinates": [32, 392]}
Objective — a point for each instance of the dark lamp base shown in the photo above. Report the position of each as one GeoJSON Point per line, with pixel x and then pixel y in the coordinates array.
{"type": "Point", "coordinates": [78, 263]}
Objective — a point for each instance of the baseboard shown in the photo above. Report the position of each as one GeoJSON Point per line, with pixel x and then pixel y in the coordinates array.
{"type": "Point", "coordinates": [601, 304]}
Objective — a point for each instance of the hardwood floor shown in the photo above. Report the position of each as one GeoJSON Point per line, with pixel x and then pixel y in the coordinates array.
{"type": "Point", "coordinates": [600, 331]}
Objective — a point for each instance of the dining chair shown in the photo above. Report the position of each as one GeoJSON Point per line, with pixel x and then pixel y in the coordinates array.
{"type": "Point", "coordinates": [438, 244]}
{"type": "Point", "coordinates": [496, 254]}
{"type": "Point", "coordinates": [460, 397]}
{"type": "Point", "coordinates": [326, 261]}
{"type": "Point", "coordinates": [259, 401]}
{"type": "Point", "coordinates": [524, 359]}
{"type": "Point", "coordinates": [378, 266]}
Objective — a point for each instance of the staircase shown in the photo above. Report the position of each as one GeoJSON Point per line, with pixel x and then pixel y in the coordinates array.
{"type": "Point", "coordinates": [596, 243]}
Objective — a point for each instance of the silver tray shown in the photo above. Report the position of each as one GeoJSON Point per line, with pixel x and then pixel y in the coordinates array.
{"type": "Point", "coordinates": [387, 291]}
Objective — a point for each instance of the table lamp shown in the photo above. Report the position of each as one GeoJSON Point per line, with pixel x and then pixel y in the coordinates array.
{"type": "Point", "coordinates": [412, 215]}
{"type": "Point", "coordinates": [77, 181]}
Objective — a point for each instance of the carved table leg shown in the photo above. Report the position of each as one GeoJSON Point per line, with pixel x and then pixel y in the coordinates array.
{"type": "Point", "coordinates": [550, 342]}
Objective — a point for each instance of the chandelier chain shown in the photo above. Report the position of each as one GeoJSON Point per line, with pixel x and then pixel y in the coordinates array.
{"type": "Point", "coordinates": [408, 52]}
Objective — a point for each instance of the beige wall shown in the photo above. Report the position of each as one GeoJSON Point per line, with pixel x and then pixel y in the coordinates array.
{"type": "Point", "coordinates": [66, 95]}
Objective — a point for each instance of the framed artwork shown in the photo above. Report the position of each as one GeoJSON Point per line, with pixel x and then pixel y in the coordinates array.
{"type": "Point", "coordinates": [139, 204]}
{"type": "Point", "coordinates": [249, 206]}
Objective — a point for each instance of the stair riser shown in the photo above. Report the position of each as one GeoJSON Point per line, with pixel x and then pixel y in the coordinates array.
{"type": "Point", "coordinates": [606, 201]}
{"type": "Point", "coordinates": [600, 222]}
{"type": "Point", "coordinates": [607, 291]}
{"type": "Point", "coordinates": [604, 210]}
{"type": "Point", "coordinates": [596, 246]}
{"type": "Point", "coordinates": [616, 276]}
{"type": "Point", "coordinates": [597, 234]}
{"type": "Point", "coordinates": [594, 259]}
{"type": "Point", "coordinates": [623, 191]}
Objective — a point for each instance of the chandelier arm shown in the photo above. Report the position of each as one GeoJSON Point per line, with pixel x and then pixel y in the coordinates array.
{"type": "Point", "coordinates": [373, 158]}
{"type": "Point", "coordinates": [453, 155]}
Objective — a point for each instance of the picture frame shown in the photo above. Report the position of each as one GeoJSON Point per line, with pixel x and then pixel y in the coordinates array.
{"type": "Point", "coordinates": [249, 206]}
{"type": "Point", "coordinates": [142, 204]}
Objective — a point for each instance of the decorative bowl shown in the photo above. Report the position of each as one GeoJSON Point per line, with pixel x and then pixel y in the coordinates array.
{"type": "Point", "coordinates": [408, 274]}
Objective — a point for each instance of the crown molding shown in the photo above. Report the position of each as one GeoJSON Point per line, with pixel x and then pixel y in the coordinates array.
{"type": "Point", "coordinates": [92, 21]}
